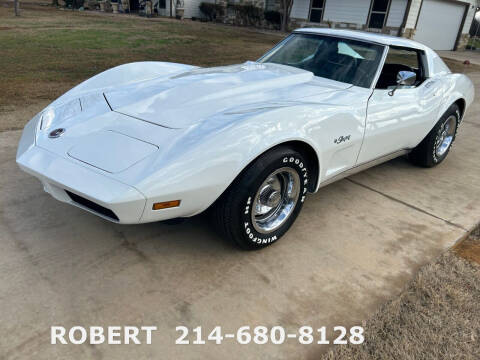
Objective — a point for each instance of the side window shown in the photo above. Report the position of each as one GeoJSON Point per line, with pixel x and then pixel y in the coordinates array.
{"type": "Point", "coordinates": [400, 59]}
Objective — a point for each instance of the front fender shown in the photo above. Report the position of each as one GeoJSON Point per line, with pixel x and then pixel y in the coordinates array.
{"type": "Point", "coordinates": [197, 166]}
{"type": "Point", "coordinates": [200, 164]}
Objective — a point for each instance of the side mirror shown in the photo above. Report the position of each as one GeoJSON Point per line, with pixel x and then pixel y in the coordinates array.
{"type": "Point", "coordinates": [404, 78]}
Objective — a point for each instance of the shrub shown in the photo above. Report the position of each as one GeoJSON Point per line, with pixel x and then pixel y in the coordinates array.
{"type": "Point", "coordinates": [211, 11]}
{"type": "Point", "coordinates": [273, 17]}
{"type": "Point", "coordinates": [247, 14]}
{"type": "Point", "coordinates": [76, 4]}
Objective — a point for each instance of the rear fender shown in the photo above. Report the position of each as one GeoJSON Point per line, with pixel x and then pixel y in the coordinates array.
{"type": "Point", "coordinates": [458, 87]}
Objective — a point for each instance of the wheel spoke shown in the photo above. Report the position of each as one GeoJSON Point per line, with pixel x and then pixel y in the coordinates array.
{"type": "Point", "coordinates": [445, 136]}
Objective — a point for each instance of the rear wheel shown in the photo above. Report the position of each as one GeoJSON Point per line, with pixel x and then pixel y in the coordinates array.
{"type": "Point", "coordinates": [264, 201]}
{"type": "Point", "coordinates": [436, 145]}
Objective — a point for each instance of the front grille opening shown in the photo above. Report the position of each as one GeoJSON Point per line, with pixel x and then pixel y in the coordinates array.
{"type": "Point", "coordinates": [92, 206]}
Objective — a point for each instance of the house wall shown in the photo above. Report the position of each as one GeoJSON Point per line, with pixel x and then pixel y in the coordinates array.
{"type": "Point", "coordinates": [353, 14]}
{"type": "Point", "coordinates": [272, 5]}
{"type": "Point", "coordinates": [348, 11]}
{"type": "Point", "coordinates": [413, 14]}
{"type": "Point", "coordinates": [166, 11]}
{"type": "Point", "coordinates": [342, 11]}
{"type": "Point", "coordinates": [415, 10]}
{"type": "Point", "coordinates": [192, 7]}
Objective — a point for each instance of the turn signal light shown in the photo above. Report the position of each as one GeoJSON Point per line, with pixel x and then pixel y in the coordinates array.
{"type": "Point", "coordinates": [166, 204]}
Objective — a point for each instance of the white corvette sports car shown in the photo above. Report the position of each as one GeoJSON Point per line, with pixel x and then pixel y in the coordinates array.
{"type": "Point", "coordinates": [153, 141]}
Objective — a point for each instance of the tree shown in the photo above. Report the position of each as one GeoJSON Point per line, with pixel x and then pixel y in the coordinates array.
{"type": "Point", "coordinates": [286, 10]}
{"type": "Point", "coordinates": [15, 5]}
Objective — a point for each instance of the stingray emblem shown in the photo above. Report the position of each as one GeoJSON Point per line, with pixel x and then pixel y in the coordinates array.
{"type": "Point", "coordinates": [56, 133]}
{"type": "Point", "coordinates": [341, 139]}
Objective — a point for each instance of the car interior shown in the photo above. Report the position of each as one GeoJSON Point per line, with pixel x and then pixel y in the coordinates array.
{"type": "Point", "coordinates": [342, 61]}
{"type": "Point", "coordinates": [350, 61]}
{"type": "Point", "coordinates": [337, 66]}
{"type": "Point", "coordinates": [400, 59]}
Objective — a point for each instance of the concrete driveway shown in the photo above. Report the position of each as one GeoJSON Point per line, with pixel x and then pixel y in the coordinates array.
{"type": "Point", "coordinates": [355, 245]}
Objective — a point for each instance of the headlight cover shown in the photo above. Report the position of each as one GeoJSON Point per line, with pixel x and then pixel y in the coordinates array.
{"type": "Point", "coordinates": [55, 115]}
{"type": "Point", "coordinates": [29, 133]}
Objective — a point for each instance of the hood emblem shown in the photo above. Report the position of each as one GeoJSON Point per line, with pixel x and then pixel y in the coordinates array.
{"type": "Point", "coordinates": [56, 133]}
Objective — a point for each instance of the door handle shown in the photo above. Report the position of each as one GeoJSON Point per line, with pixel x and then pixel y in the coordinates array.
{"type": "Point", "coordinates": [436, 92]}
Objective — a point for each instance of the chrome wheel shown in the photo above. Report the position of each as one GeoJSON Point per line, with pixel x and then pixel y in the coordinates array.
{"type": "Point", "coordinates": [275, 200]}
{"type": "Point", "coordinates": [445, 135]}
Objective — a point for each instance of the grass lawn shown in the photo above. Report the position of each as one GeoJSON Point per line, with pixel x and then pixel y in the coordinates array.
{"type": "Point", "coordinates": [46, 51]}
{"type": "Point", "coordinates": [437, 316]}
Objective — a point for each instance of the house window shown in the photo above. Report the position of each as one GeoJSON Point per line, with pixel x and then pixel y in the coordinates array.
{"type": "Point", "coordinates": [316, 10]}
{"type": "Point", "coordinates": [378, 13]}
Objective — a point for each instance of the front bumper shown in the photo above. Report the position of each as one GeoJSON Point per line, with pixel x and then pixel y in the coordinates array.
{"type": "Point", "coordinates": [83, 187]}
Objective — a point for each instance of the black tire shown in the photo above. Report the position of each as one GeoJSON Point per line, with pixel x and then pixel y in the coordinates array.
{"type": "Point", "coordinates": [425, 154]}
{"type": "Point", "coordinates": [232, 212]}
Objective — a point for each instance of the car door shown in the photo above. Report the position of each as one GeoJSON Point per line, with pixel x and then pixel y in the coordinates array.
{"type": "Point", "coordinates": [400, 119]}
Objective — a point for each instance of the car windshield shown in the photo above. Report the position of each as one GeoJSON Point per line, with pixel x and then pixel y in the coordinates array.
{"type": "Point", "coordinates": [349, 61]}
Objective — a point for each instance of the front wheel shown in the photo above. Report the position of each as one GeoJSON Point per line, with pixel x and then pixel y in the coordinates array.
{"type": "Point", "coordinates": [264, 201]}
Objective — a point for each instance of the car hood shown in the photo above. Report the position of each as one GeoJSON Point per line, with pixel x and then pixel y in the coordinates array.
{"type": "Point", "coordinates": [169, 114]}
{"type": "Point", "coordinates": [186, 99]}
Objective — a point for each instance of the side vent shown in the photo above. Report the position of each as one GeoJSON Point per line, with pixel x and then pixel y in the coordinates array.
{"type": "Point", "coordinates": [92, 206]}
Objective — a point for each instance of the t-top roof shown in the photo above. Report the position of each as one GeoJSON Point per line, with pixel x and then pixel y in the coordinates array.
{"type": "Point", "coordinates": [365, 36]}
